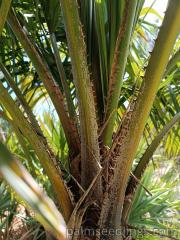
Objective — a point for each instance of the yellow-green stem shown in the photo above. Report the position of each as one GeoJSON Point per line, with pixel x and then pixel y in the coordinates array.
{"type": "Point", "coordinates": [4, 9]}
{"type": "Point", "coordinates": [118, 67]}
{"type": "Point", "coordinates": [143, 163]}
{"type": "Point", "coordinates": [46, 158]}
{"type": "Point", "coordinates": [49, 83]}
{"type": "Point", "coordinates": [89, 130]}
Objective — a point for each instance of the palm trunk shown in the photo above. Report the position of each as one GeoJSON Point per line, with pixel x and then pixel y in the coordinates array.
{"type": "Point", "coordinates": [101, 160]}
{"type": "Point", "coordinates": [134, 122]}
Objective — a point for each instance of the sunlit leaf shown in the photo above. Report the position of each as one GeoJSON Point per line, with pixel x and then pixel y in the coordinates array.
{"type": "Point", "coordinates": [25, 186]}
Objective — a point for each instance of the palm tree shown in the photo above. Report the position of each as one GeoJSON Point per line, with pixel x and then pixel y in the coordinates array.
{"type": "Point", "coordinates": [110, 95]}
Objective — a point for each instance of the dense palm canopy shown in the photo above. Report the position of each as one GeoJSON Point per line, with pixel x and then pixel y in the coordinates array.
{"type": "Point", "coordinates": [88, 95]}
